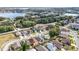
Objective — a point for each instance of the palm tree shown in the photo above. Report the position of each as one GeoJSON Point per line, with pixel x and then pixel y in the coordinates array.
{"type": "Point", "coordinates": [24, 46]}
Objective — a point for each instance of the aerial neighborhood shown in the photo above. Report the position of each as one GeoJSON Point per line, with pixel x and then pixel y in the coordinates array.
{"type": "Point", "coordinates": [39, 29]}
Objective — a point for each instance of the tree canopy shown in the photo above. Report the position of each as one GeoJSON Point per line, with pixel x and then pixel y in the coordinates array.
{"type": "Point", "coordinates": [6, 28]}
{"type": "Point", "coordinates": [54, 31]}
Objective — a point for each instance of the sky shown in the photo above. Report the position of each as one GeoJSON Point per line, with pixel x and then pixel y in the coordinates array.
{"type": "Point", "coordinates": [39, 3]}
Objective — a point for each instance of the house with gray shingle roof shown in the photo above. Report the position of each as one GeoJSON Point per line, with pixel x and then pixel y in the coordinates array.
{"type": "Point", "coordinates": [41, 48]}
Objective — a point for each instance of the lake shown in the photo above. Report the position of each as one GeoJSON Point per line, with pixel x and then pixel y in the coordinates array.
{"type": "Point", "coordinates": [11, 15]}
{"type": "Point", "coordinates": [71, 14]}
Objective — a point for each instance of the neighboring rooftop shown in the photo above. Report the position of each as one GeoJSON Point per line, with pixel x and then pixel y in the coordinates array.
{"type": "Point", "coordinates": [41, 48]}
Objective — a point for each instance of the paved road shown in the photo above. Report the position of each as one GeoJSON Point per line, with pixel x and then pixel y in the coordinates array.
{"type": "Point", "coordinates": [6, 45]}
{"type": "Point", "coordinates": [25, 28]}
{"type": "Point", "coordinates": [76, 38]}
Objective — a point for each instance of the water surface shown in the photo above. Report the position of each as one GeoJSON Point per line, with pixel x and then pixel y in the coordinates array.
{"type": "Point", "coordinates": [11, 15]}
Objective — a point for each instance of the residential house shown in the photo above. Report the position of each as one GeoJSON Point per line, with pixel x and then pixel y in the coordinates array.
{"type": "Point", "coordinates": [75, 26]}
{"type": "Point", "coordinates": [18, 33]}
{"type": "Point", "coordinates": [57, 44]}
{"type": "Point", "coordinates": [41, 27]}
{"type": "Point", "coordinates": [40, 37]}
{"type": "Point", "coordinates": [51, 47]}
{"type": "Point", "coordinates": [47, 36]}
{"type": "Point", "coordinates": [41, 48]}
{"type": "Point", "coordinates": [64, 32]}
{"type": "Point", "coordinates": [33, 41]}
{"type": "Point", "coordinates": [66, 41]}
{"type": "Point", "coordinates": [66, 21]}
{"type": "Point", "coordinates": [14, 46]}
{"type": "Point", "coordinates": [24, 33]}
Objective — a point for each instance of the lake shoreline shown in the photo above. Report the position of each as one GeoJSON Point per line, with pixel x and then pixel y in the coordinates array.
{"type": "Point", "coordinates": [11, 15]}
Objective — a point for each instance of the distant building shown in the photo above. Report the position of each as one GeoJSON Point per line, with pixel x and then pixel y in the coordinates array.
{"type": "Point", "coordinates": [77, 20]}
{"type": "Point", "coordinates": [75, 25]}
